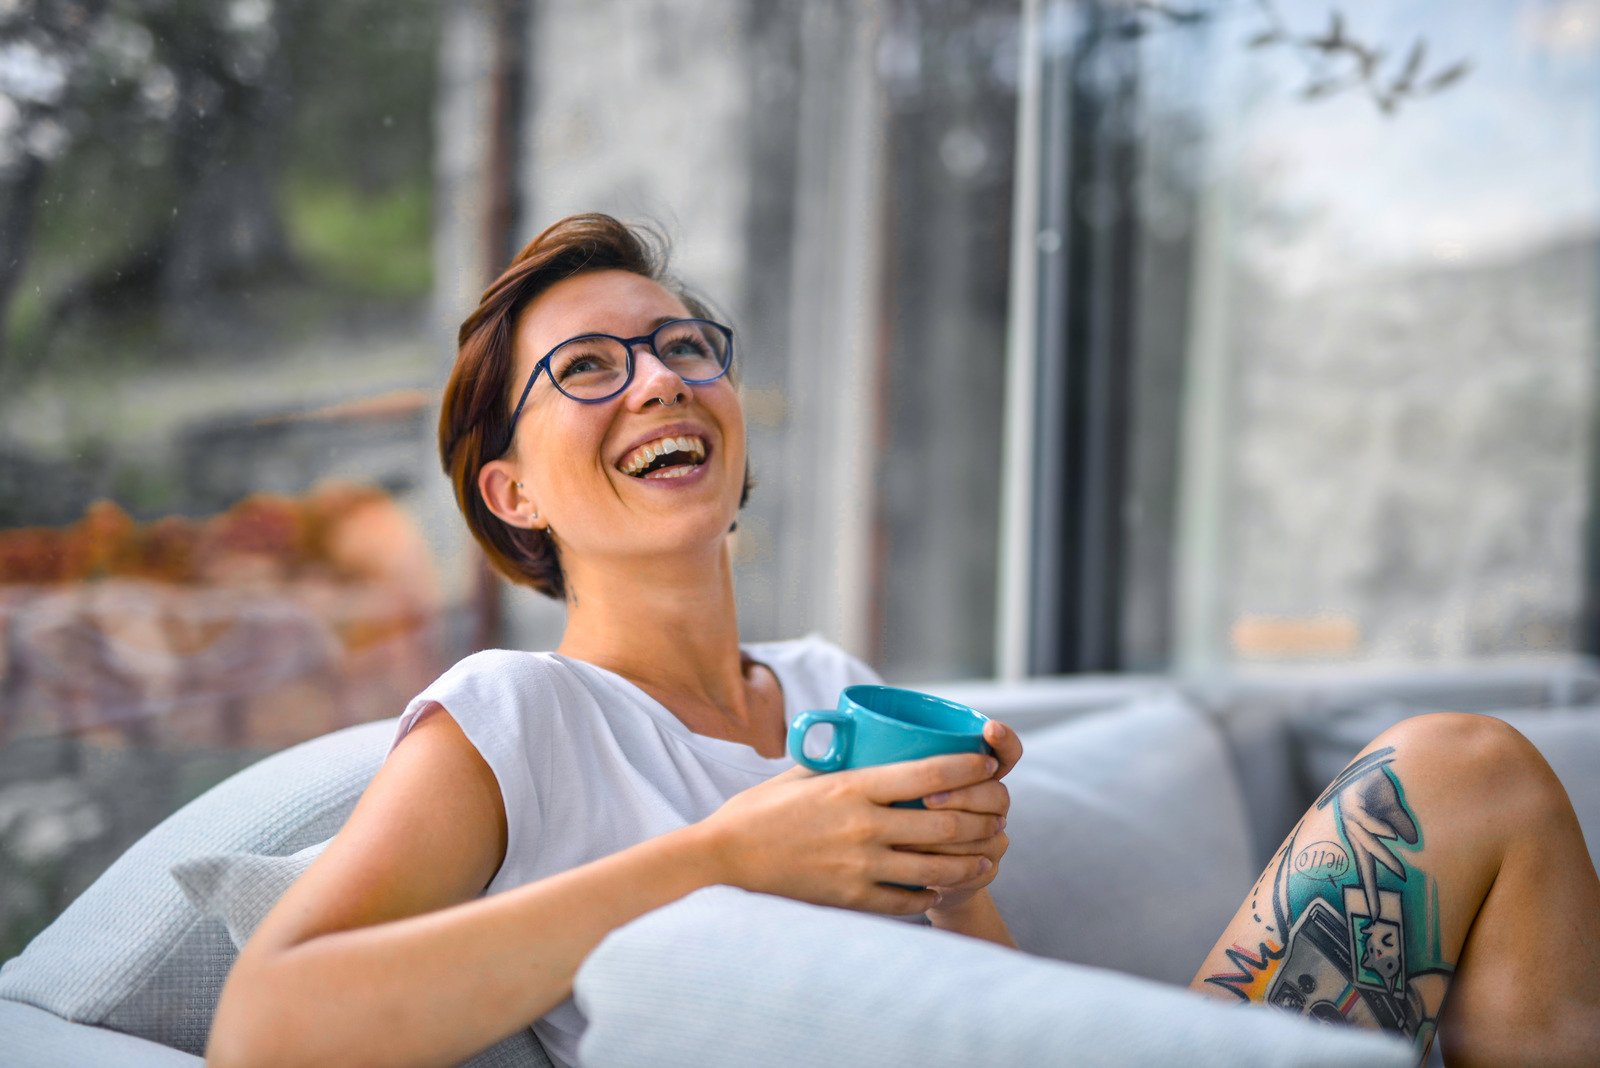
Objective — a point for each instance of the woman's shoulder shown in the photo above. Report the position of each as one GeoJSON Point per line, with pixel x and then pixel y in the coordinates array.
{"type": "Point", "coordinates": [493, 670]}
{"type": "Point", "coordinates": [498, 696]}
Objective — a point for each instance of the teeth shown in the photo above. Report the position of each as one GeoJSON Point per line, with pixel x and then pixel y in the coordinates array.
{"type": "Point", "coordinates": [642, 456]}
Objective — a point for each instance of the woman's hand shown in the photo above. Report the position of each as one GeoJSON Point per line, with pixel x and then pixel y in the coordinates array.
{"type": "Point", "coordinates": [987, 798]}
{"type": "Point", "coordinates": [834, 839]}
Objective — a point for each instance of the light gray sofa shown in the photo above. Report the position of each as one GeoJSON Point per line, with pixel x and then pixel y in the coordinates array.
{"type": "Point", "coordinates": [1141, 814]}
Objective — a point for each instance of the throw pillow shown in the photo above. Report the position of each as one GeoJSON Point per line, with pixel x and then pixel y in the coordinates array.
{"type": "Point", "coordinates": [240, 888]}
{"type": "Point", "coordinates": [726, 979]}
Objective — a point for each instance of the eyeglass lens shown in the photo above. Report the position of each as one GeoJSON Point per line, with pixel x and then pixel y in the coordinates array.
{"type": "Point", "coordinates": [590, 368]}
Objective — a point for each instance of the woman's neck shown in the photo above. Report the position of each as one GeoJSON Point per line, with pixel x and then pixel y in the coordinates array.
{"type": "Point", "coordinates": [669, 625]}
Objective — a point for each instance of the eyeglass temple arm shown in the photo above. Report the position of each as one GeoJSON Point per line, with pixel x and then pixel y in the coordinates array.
{"type": "Point", "coordinates": [511, 426]}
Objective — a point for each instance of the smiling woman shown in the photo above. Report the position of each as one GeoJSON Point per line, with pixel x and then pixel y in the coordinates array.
{"type": "Point", "coordinates": [596, 442]}
{"type": "Point", "coordinates": [479, 417]}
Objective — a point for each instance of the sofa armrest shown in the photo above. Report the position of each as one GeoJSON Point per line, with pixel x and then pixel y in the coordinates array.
{"type": "Point", "coordinates": [726, 978]}
{"type": "Point", "coordinates": [35, 1038]}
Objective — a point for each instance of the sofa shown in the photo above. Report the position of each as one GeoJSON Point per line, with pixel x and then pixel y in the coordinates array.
{"type": "Point", "coordinates": [1143, 810]}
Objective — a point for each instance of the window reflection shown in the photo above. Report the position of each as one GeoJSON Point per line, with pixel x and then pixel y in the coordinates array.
{"type": "Point", "coordinates": [217, 373]}
{"type": "Point", "coordinates": [1380, 307]}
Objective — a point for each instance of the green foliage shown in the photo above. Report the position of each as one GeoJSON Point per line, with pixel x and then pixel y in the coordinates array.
{"type": "Point", "coordinates": [330, 105]}
{"type": "Point", "coordinates": [374, 244]}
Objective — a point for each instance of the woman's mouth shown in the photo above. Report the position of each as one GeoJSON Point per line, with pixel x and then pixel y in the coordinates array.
{"type": "Point", "coordinates": [666, 457]}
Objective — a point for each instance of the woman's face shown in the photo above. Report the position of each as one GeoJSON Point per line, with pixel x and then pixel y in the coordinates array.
{"type": "Point", "coordinates": [573, 459]}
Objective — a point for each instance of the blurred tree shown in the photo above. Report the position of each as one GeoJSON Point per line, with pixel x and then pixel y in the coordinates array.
{"type": "Point", "coordinates": [169, 127]}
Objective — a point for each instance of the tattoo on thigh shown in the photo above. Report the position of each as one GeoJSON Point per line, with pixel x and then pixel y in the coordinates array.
{"type": "Point", "coordinates": [1350, 927]}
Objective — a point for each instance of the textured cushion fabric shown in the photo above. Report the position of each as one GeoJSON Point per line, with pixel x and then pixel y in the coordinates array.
{"type": "Point", "coordinates": [1129, 847]}
{"type": "Point", "coordinates": [240, 889]}
{"type": "Point", "coordinates": [1257, 709]}
{"type": "Point", "coordinates": [1034, 704]}
{"type": "Point", "coordinates": [33, 1038]}
{"type": "Point", "coordinates": [725, 978]}
{"type": "Point", "coordinates": [131, 953]}
{"type": "Point", "coordinates": [1569, 738]}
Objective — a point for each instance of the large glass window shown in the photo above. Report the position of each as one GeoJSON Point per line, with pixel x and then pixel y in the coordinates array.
{"type": "Point", "coordinates": [1389, 397]}
{"type": "Point", "coordinates": [217, 370]}
{"type": "Point", "coordinates": [1333, 265]}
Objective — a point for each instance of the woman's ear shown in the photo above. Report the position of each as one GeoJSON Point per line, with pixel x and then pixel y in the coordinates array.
{"type": "Point", "coordinates": [505, 496]}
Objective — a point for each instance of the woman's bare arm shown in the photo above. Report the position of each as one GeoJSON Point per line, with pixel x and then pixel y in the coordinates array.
{"type": "Point", "coordinates": [383, 952]}
{"type": "Point", "coordinates": [363, 960]}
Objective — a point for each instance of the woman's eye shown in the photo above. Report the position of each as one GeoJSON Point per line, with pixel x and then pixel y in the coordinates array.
{"type": "Point", "coordinates": [576, 366]}
{"type": "Point", "coordinates": [686, 349]}
{"type": "Point", "coordinates": [584, 361]}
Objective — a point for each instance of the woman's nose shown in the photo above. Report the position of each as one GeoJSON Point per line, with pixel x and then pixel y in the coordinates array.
{"type": "Point", "coordinates": [653, 379]}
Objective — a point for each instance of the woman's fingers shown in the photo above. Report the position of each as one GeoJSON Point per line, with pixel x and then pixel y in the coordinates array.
{"type": "Point", "coordinates": [930, 869]}
{"type": "Point", "coordinates": [1006, 745]}
{"type": "Point", "coordinates": [919, 827]}
{"type": "Point", "coordinates": [910, 779]}
{"type": "Point", "coordinates": [991, 847]}
{"type": "Point", "coordinates": [989, 796]}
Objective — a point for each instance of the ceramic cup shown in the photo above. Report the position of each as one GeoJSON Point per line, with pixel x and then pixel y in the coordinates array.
{"type": "Point", "coordinates": [883, 725]}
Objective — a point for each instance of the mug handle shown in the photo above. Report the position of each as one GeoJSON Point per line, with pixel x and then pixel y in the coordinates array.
{"type": "Point", "coordinates": [838, 752]}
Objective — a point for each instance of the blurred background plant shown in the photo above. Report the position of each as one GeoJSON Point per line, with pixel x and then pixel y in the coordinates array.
{"type": "Point", "coordinates": [181, 175]}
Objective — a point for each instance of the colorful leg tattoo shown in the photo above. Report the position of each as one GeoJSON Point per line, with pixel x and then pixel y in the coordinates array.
{"type": "Point", "coordinates": [1352, 926]}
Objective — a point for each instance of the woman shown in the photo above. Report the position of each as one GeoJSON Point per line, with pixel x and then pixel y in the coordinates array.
{"type": "Point", "coordinates": [561, 783]}
{"type": "Point", "coordinates": [533, 802]}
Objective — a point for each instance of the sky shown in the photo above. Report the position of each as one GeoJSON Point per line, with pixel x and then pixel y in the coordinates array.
{"type": "Point", "coordinates": [1504, 161]}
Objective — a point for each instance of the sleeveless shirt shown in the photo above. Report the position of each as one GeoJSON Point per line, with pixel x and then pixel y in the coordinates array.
{"type": "Point", "coordinates": [589, 764]}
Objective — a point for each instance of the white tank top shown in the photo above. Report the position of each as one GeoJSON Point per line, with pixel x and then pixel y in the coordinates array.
{"type": "Point", "coordinates": [589, 764]}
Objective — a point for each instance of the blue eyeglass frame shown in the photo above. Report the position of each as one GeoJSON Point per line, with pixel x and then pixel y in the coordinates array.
{"type": "Point", "coordinates": [628, 344]}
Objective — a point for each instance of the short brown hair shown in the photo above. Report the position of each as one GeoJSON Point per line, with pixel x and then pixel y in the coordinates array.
{"type": "Point", "coordinates": [475, 421]}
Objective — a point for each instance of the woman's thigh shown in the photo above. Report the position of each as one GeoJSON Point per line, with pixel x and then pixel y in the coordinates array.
{"type": "Point", "coordinates": [1444, 859]}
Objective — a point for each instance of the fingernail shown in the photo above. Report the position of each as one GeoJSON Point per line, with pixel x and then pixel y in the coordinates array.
{"type": "Point", "coordinates": [936, 799]}
{"type": "Point", "coordinates": [984, 864]}
{"type": "Point", "coordinates": [1002, 825]}
{"type": "Point", "coordinates": [994, 765]}
{"type": "Point", "coordinates": [937, 897]}
{"type": "Point", "coordinates": [999, 730]}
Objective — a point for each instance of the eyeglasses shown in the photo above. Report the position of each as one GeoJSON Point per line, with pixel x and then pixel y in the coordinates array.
{"type": "Point", "coordinates": [596, 367]}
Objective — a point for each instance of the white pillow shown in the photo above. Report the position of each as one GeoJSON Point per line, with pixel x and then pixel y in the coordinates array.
{"type": "Point", "coordinates": [727, 979]}
{"type": "Point", "coordinates": [240, 888]}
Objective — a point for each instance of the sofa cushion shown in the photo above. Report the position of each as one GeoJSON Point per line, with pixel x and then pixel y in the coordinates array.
{"type": "Point", "coordinates": [726, 978]}
{"type": "Point", "coordinates": [1259, 707]}
{"type": "Point", "coordinates": [1569, 738]}
{"type": "Point", "coordinates": [239, 889]}
{"type": "Point", "coordinates": [131, 953]}
{"type": "Point", "coordinates": [35, 1038]}
{"type": "Point", "coordinates": [1038, 703]}
{"type": "Point", "coordinates": [1129, 844]}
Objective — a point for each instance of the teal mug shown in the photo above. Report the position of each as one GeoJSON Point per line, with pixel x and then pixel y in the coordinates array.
{"type": "Point", "coordinates": [884, 725]}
